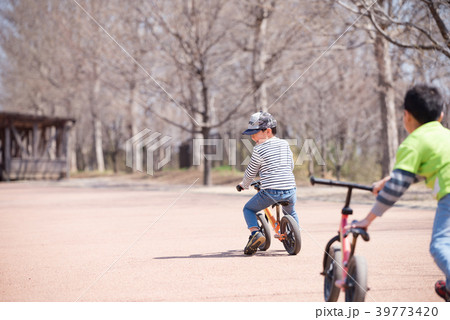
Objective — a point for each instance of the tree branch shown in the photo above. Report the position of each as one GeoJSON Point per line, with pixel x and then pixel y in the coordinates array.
{"type": "Point", "coordinates": [405, 45]}
{"type": "Point", "coordinates": [441, 25]}
{"type": "Point", "coordinates": [176, 124]}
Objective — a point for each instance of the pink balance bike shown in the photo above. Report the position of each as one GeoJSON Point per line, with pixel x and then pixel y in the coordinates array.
{"type": "Point", "coordinates": [342, 269]}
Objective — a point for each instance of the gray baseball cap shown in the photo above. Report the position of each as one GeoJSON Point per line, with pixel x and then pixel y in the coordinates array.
{"type": "Point", "coordinates": [260, 121]}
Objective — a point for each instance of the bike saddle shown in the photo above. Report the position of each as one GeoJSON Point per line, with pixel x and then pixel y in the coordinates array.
{"type": "Point", "coordinates": [281, 203]}
{"type": "Point", "coordinates": [358, 232]}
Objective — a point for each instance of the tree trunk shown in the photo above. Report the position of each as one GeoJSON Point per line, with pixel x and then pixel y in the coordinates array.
{"type": "Point", "coordinates": [131, 123]}
{"type": "Point", "coordinates": [323, 146]}
{"type": "Point", "coordinates": [259, 58]}
{"type": "Point", "coordinates": [132, 106]}
{"type": "Point", "coordinates": [205, 132]}
{"type": "Point", "coordinates": [338, 172]}
{"type": "Point", "coordinates": [115, 161]}
{"type": "Point", "coordinates": [205, 126]}
{"type": "Point", "coordinates": [324, 156]}
{"type": "Point", "coordinates": [310, 167]}
{"type": "Point", "coordinates": [387, 104]}
{"type": "Point", "coordinates": [97, 125]}
{"type": "Point", "coordinates": [262, 62]}
{"type": "Point", "coordinates": [72, 151]}
{"type": "Point", "coordinates": [98, 145]}
{"type": "Point", "coordinates": [206, 161]}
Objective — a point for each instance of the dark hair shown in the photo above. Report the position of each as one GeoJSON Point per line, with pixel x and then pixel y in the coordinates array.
{"type": "Point", "coordinates": [424, 102]}
{"type": "Point", "coordinates": [274, 130]}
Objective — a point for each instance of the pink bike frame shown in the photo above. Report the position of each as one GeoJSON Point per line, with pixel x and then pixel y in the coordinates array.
{"type": "Point", "coordinates": [347, 249]}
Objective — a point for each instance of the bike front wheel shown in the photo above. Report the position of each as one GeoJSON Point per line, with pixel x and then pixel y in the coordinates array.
{"type": "Point", "coordinates": [356, 283]}
{"type": "Point", "coordinates": [265, 230]}
{"type": "Point", "coordinates": [292, 242]}
{"type": "Point", "coordinates": [332, 273]}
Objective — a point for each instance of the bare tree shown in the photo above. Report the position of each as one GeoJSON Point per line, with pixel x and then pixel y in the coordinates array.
{"type": "Point", "coordinates": [192, 38]}
{"type": "Point", "coordinates": [202, 67]}
{"type": "Point", "coordinates": [418, 25]}
{"type": "Point", "coordinates": [414, 25]}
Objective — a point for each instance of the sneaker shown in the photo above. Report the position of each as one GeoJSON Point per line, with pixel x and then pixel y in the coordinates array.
{"type": "Point", "coordinates": [441, 290]}
{"type": "Point", "coordinates": [254, 242]}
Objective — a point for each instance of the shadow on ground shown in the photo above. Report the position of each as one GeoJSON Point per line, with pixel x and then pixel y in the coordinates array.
{"type": "Point", "coordinates": [228, 254]}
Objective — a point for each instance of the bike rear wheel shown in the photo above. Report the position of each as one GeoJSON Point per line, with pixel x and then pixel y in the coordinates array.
{"type": "Point", "coordinates": [356, 283]}
{"type": "Point", "coordinates": [265, 230]}
{"type": "Point", "coordinates": [289, 227]}
{"type": "Point", "coordinates": [333, 272]}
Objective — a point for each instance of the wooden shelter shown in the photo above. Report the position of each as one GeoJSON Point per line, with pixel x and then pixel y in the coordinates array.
{"type": "Point", "coordinates": [33, 147]}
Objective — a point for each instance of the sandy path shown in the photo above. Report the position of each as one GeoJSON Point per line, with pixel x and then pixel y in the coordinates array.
{"type": "Point", "coordinates": [57, 240]}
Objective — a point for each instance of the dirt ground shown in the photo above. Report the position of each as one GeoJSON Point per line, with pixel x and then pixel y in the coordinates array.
{"type": "Point", "coordinates": [114, 239]}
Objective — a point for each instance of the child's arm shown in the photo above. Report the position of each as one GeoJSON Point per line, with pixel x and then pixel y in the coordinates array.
{"type": "Point", "coordinates": [393, 188]}
{"type": "Point", "coordinates": [364, 223]}
{"type": "Point", "coordinates": [252, 170]}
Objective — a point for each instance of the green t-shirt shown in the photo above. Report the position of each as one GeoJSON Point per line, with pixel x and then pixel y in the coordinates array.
{"type": "Point", "coordinates": [426, 152]}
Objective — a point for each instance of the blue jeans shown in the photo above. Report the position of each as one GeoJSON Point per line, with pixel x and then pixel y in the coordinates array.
{"type": "Point", "coordinates": [440, 238]}
{"type": "Point", "coordinates": [266, 198]}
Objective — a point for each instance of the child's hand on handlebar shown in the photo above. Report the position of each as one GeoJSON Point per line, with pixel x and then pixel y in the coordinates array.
{"type": "Point", "coordinates": [364, 223]}
{"type": "Point", "coordinates": [377, 186]}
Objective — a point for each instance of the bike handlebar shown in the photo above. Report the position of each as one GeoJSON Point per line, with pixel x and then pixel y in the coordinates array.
{"type": "Point", "coordinates": [255, 184]}
{"type": "Point", "coordinates": [314, 180]}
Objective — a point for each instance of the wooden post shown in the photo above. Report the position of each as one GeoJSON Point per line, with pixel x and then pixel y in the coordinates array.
{"type": "Point", "coordinates": [35, 140]}
{"type": "Point", "coordinates": [2, 154]}
{"type": "Point", "coordinates": [19, 142]}
{"type": "Point", "coordinates": [7, 151]}
{"type": "Point", "coordinates": [53, 142]}
{"type": "Point", "coordinates": [66, 148]}
{"type": "Point", "coordinates": [58, 141]}
{"type": "Point", "coordinates": [42, 147]}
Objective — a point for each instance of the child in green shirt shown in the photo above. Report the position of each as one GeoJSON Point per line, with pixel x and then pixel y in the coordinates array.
{"type": "Point", "coordinates": [426, 153]}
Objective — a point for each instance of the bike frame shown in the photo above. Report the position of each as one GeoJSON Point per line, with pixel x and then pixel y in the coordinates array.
{"type": "Point", "coordinates": [275, 223]}
{"type": "Point", "coordinates": [347, 248]}
{"type": "Point", "coordinates": [347, 252]}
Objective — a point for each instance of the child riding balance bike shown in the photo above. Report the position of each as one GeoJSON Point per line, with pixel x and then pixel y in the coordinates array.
{"type": "Point", "coordinates": [272, 159]}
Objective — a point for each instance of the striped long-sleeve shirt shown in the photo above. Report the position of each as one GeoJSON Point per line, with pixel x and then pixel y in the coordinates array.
{"type": "Point", "coordinates": [393, 190]}
{"type": "Point", "coordinates": [274, 163]}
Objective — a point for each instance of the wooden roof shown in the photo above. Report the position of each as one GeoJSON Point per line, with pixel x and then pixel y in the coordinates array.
{"type": "Point", "coordinates": [28, 120]}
